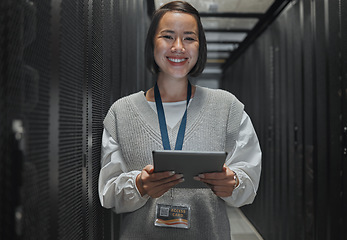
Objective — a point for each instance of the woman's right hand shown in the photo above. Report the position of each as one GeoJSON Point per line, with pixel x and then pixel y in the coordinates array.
{"type": "Point", "coordinates": [156, 184]}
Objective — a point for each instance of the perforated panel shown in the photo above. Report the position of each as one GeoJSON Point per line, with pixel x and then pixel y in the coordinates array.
{"type": "Point", "coordinates": [72, 77]}
{"type": "Point", "coordinates": [35, 106]}
{"type": "Point", "coordinates": [96, 83]}
{"type": "Point", "coordinates": [7, 173]}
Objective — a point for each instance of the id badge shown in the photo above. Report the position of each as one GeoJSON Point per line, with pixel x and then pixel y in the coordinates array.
{"type": "Point", "coordinates": [172, 216]}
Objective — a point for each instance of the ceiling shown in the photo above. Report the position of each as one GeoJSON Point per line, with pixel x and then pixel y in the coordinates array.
{"type": "Point", "coordinates": [230, 26]}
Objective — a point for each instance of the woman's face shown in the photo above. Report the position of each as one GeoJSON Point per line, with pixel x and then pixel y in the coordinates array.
{"type": "Point", "coordinates": [176, 44]}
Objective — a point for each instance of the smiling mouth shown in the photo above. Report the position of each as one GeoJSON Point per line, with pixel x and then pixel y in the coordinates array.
{"type": "Point", "coordinates": [177, 60]}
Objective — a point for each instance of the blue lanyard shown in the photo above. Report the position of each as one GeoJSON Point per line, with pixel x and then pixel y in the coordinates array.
{"type": "Point", "coordinates": [162, 121]}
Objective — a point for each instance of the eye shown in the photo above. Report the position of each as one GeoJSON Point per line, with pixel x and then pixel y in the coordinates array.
{"type": "Point", "coordinates": [167, 37]}
{"type": "Point", "coordinates": [190, 39]}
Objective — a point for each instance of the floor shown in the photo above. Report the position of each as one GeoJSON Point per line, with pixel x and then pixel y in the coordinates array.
{"type": "Point", "coordinates": [241, 228]}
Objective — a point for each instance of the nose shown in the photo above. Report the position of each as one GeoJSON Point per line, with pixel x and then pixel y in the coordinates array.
{"type": "Point", "coordinates": [178, 46]}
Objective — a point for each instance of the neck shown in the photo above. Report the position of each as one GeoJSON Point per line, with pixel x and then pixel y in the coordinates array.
{"type": "Point", "coordinates": [171, 90]}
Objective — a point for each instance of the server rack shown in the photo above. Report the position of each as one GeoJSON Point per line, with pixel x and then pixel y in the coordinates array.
{"type": "Point", "coordinates": [296, 96]}
{"type": "Point", "coordinates": [63, 64]}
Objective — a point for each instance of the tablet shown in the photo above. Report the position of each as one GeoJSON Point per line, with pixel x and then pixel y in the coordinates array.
{"type": "Point", "coordinates": [188, 163]}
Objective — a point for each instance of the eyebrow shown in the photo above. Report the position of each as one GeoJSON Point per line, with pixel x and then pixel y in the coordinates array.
{"type": "Point", "coordinates": [189, 32]}
{"type": "Point", "coordinates": [172, 32]}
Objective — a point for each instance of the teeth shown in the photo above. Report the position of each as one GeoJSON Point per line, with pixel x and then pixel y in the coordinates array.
{"type": "Point", "coordinates": [177, 60]}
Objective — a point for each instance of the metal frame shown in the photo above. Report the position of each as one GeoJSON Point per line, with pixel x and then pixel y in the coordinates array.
{"type": "Point", "coordinates": [265, 20]}
{"type": "Point", "coordinates": [232, 15]}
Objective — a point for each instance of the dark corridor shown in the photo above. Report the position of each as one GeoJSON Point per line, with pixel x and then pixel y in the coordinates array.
{"type": "Point", "coordinates": [63, 63]}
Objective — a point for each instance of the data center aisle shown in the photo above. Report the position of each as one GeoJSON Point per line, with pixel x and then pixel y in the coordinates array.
{"type": "Point", "coordinates": [241, 228]}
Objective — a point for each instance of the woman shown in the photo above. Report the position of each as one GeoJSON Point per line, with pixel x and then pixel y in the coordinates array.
{"type": "Point", "coordinates": [214, 120]}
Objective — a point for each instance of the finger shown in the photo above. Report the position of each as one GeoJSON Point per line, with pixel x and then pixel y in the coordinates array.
{"type": "Point", "coordinates": [227, 184]}
{"type": "Point", "coordinates": [165, 187]}
{"type": "Point", "coordinates": [157, 180]}
{"type": "Point", "coordinates": [219, 182]}
{"type": "Point", "coordinates": [171, 179]}
{"type": "Point", "coordinates": [161, 175]}
{"type": "Point", "coordinates": [156, 176]}
{"type": "Point", "coordinates": [211, 182]}
{"type": "Point", "coordinates": [153, 186]}
{"type": "Point", "coordinates": [161, 189]}
{"type": "Point", "coordinates": [215, 175]}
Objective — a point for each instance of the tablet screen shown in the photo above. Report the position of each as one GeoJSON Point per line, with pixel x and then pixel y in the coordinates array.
{"type": "Point", "coordinates": [188, 163]}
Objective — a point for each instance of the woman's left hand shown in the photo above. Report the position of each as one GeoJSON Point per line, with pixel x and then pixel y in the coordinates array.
{"type": "Point", "coordinates": [221, 183]}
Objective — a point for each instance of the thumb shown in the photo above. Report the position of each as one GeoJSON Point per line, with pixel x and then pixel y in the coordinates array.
{"type": "Point", "coordinates": [225, 168]}
{"type": "Point", "coordinates": [149, 169]}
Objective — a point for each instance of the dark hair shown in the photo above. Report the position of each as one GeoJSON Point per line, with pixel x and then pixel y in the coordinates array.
{"type": "Point", "coordinates": [179, 6]}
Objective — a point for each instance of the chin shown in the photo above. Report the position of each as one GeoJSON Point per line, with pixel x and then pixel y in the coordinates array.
{"type": "Point", "coordinates": [180, 75]}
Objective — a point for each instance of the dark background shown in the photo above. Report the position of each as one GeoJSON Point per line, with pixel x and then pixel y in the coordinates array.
{"type": "Point", "coordinates": [63, 63]}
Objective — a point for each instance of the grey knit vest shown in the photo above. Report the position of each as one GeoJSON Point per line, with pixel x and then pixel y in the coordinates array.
{"type": "Point", "coordinates": [213, 122]}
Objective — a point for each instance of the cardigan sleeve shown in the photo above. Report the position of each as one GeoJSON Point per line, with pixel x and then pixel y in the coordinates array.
{"type": "Point", "coordinates": [245, 161]}
{"type": "Point", "coordinates": [117, 186]}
